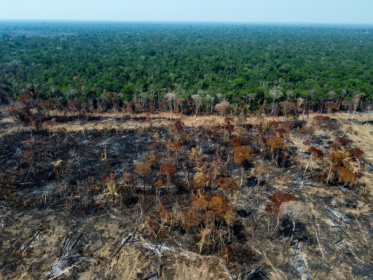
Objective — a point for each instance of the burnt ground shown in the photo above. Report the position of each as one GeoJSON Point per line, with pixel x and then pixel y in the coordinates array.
{"type": "Point", "coordinates": [63, 223]}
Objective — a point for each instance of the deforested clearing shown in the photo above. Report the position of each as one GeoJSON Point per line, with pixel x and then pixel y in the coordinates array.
{"type": "Point", "coordinates": [124, 197]}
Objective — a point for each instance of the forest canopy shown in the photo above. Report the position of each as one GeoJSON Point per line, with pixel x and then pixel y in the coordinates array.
{"type": "Point", "coordinates": [225, 61]}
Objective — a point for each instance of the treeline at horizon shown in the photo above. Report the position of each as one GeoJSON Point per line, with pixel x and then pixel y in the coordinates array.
{"type": "Point", "coordinates": [187, 67]}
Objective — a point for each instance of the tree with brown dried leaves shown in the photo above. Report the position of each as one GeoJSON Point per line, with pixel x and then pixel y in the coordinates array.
{"type": "Point", "coordinates": [277, 144]}
{"type": "Point", "coordinates": [168, 170]}
{"type": "Point", "coordinates": [228, 184]}
{"type": "Point", "coordinates": [143, 169]}
{"type": "Point", "coordinates": [242, 155]}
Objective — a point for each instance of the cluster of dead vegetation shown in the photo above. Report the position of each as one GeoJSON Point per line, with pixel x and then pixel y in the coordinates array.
{"type": "Point", "coordinates": [238, 191]}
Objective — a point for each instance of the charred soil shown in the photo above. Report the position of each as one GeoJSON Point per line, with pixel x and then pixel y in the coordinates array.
{"type": "Point", "coordinates": [133, 197]}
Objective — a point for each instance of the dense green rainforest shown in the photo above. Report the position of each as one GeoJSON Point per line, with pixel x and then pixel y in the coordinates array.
{"type": "Point", "coordinates": [142, 62]}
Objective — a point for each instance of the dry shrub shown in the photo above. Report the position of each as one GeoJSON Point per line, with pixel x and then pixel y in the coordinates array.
{"type": "Point", "coordinates": [331, 107]}
{"type": "Point", "coordinates": [142, 168]}
{"type": "Point", "coordinates": [316, 152]}
{"type": "Point", "coordinates": [281, 131]}
{"type": "Point", "coordinates": [205, 238]}
{"type": "Point", "coordinates": [228, 184]}
{"type": "Point", "coordinates": [323, 122]}
{"type": "Point", "coordinates": [237, 141]}
{"type": "Point", "coordinates": [164, 213]}
{"type": "Point", "coordinates": [173, 145]}
{"type": "Point", "coordinates": [159, 184]}
{"type": "Point", "coordinates": [127, 177]}
{"type": "Point", "coordinates": [196, 157]}
{"type": "Point", "coordinates": [356, 153]}
{"type": "Point", "coordinates": [336, 157]}
{"type": "Point", "coordinates": [228, 124]}
{"type": "Point", "coordinates": [287, 126]}
{"type": "Point", "coordinates": [346, 176]}
{"type": "Point", "coordinates": [111, 187]}
{"type": "Point", "coordinates": [242, 154]}
{"type": "Point", "coordinates": [218, 204]}
{"type": "Point", "coordinates": [278, 199]}
{"type": "Point", "coordinates": [179, 126]}
{"type": "Point", "coordinates": [201, 179]}
{"type": "Point", "coordinates": [276, 143]}
{"type": "Point", "coordinates": [168, 170]}
{"type": "Point", "coordinates": [222, 107]}
{"type": "Point", "coordinates": [205, 210]}
{"type": "Point", "coordinates": [189, 218]}
{"type": "Point", "coordinates": [203, 203]}
{"type": "Point", "coordinates": [342, 141]}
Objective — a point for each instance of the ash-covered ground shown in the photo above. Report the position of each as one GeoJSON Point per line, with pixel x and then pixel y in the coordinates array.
{"type": "Point", "coordinates": [78, 205]}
